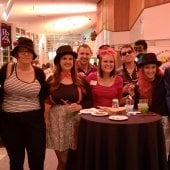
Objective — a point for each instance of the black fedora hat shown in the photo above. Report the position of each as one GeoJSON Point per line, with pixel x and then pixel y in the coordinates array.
{"type": "Point", "coordinates": [23, 42]}
{"type": "Point", "coordinates": [147, 58]}
{"type": "Point", "coordinates": [63, 50]}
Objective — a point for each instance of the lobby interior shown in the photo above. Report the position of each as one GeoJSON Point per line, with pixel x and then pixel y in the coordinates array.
{"type": "Point", "coordinates": [114, 22]}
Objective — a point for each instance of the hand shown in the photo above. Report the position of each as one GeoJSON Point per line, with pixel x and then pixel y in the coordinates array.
{"type": "Point", "coordinates": [74, 107]}
{"type": "Point", "coordinates": [81, 74]}
{"type": "Point", "coordinates": [125, 88]}
{"type": "Point", "coordinates": [131, 89]}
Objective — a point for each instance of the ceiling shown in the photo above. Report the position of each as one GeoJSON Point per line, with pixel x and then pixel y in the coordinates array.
{"type": "Point", "coordinates": [49, 17]}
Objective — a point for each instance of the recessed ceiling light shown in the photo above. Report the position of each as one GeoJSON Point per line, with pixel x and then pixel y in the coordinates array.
{"type": "Point", "coordinates": [64, 8]}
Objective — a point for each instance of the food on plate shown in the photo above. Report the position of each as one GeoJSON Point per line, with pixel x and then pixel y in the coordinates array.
{"type": "Point", "coordinates": [112, 110]}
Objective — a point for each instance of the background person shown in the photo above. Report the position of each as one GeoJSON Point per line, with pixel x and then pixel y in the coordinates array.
{"type": "Point", "coordinates": [128, 70]}
{"type": "Point", "coordinates": [140, 46]}
{"type": "Point", "coordinates": [165, 65]}
{"type": "Point", "coordinates": [67, 96]}
{"type": "Point", "coordinates": [84, 67]}
{"type": "Point", "coordinates": [167, 86]}
{"type": "Point", "coordinates": [22, 108]}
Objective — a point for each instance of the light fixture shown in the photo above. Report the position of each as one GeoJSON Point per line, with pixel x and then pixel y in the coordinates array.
{"type": "Point", "coordinates": [64, 8]}
{"type": "Point", "coordinates": [7, 9]}
{"type": "Point", "coordinates": [70, 23]}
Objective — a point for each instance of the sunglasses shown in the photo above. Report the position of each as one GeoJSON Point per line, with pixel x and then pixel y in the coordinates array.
{"type": "Point", "coordinates": [126, 52]}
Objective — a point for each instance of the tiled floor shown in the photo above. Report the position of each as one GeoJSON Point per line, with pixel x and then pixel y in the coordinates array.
{"type": "Point", "coordinates": [50, 160]}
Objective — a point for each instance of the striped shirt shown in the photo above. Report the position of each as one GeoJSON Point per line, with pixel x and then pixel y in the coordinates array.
{"type": "Point", "coordinates": [20, 96]}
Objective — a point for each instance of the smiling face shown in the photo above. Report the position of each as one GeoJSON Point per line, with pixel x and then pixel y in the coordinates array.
{"type": "Point", "coordinates": [150, 71]}
{"type": "Point", "coordinates": [25, 56]}
{"type": "Point", "coordinates": [127, 55]}
{"type": "Point", "coordinates": [66, 62]}
{"type": "Point", "coordinates": [107, 63]}
{"type": "Point", "coordinates": [84, 55]}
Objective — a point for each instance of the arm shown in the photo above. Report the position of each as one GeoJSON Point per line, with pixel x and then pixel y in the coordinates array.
{"type": "Point", "coordinates": [87, 101]}
{"type": "Point", "coordinates": [2, 79]}
{"type": "Point", "coordinates": [47, 109]}
{"type": "Point", "coordinates": [167, 86]}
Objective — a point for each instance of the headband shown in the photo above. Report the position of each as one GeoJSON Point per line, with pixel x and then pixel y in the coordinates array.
{"type": "Point", "coordinates": [107, 50]}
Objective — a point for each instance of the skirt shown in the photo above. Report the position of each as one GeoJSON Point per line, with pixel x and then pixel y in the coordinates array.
{"type": "Point", "coordinates": [62, 128]}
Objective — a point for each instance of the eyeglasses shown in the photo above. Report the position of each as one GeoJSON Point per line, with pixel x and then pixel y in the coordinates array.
{"type": "Point", "coordinates": [24, 52]}
{"type": "Point", "coordinates": [126, 52]}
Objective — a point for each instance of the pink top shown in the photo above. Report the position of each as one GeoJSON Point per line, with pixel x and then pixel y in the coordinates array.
{"type": "Point", "coordinates": [102, 95]}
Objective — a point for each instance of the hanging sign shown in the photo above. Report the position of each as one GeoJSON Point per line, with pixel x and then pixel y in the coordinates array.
{"type": "Point", "coordinates": [5, 35]}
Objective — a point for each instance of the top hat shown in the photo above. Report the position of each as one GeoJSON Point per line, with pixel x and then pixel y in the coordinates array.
{"type": "Point", "coordinates": [147, 58]}
{"type": "Point", "coordinates": [26, 43]}
{"type": "Point", "coordinates": [63, 50]}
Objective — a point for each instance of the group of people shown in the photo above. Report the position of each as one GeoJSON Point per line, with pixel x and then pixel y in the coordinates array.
{"type": "Point", "coordinates": [39, 113]}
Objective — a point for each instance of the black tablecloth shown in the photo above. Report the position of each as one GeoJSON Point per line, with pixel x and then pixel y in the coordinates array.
{"type": "Point", "coordinates": [135, 144]}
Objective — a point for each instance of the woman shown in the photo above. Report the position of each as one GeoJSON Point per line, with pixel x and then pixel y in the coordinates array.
{"type": "Point", "coordinates": [104, 83]}
{"type": "Point", "coordinates": [23, 90]}
{"type": "Point", "coordinates": [151, 83]}
{"type": "Point", "coordinates": [68, 94]}
{"type": "Point", "coordinates": [151, 86]}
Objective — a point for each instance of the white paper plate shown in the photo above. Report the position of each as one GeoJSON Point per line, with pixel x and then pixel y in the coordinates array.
{"type": "Point", "coordinates": [118, 117]}
{"type": "Point", "coordinates": [101, 113]}
{"type": "Point", "coordinates": [85, 111]}
{"type": "Point", "coordinates": [133, 113]}
{"type": "Point", "coordinates": [88, 111]}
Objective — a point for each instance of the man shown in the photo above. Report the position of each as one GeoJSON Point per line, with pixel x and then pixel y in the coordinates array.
{"type": "Point", "coordinates": [83, 62]}
{"type": "Point", "coordinates": [128, 70]}
{"type": "Point", "coordinates": [140, 46]}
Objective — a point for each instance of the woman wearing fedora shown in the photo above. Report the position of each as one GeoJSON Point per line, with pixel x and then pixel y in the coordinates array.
{"type": "Point", "coordinates": [68, 94]}
{"type": "Point", "coordinates": [150, 83]}
{"type": "Point", "coordinates": [23, 92]}
{"type": "Point", "coordinates": [151, 86]}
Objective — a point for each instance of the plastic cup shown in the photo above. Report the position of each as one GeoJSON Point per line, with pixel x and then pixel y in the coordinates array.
{"type": "Point", "coordinates": [129, 105]}
{"type": "Point", "coordinates": [143, 105]}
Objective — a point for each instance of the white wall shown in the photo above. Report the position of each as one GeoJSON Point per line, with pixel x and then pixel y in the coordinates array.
{"type": "Point", "coordinates": [152, 25]}
{"type": "Point", "coordinates": [157, 22]}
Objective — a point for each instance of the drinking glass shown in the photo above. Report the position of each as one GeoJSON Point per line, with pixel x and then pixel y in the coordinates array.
{"type": "Point", "coordinates": [143, 105]}
{"type": "Point", "coordinates": [129, 105]}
